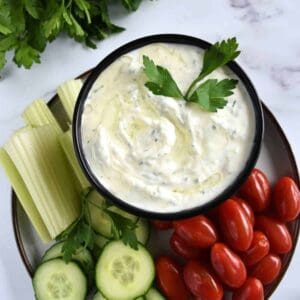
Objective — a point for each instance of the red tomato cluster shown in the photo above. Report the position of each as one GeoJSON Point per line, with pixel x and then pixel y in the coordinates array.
{"type": "Point", "coordinates": [234, 247]}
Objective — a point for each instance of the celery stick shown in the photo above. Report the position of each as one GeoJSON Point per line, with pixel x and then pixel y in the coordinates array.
{"type": "Point", "coordinates": [66, 142]}
{"type": "Point", "coordinates": [68, 93]}
{"type": "Point", "coordinates": [41, 163]}
{"type": "Point", "coordinates": [39, 114]}
{"type": "Point", "coordinates": [24, 196]}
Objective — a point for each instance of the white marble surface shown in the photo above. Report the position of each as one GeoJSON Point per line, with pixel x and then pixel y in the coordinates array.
{"type": "Point", "coordinates": [269, 36]}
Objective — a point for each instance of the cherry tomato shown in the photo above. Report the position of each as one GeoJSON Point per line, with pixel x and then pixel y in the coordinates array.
{"type": "Point", "coordinates": [277, 233]}
{"type": "Point", "coordinates": [256, 190]}
{"type": "Point", "coordinates": [169, 279]}
{"type": "Point", "coordinates": [182, 248]}
{"type": "Point", "coordinates": [267, 269]}
{"type": "Point", "coordinates": [286, 197]}
{"type": "Point", "coordinates": [259, 249]}
{"type": "Point", "coordinates": [228, 265]}
{"type": "Point", "coordinates": [246, 207]}
{"type": "Point", "coordinates": [251, 290]}
{"type": "Point", "coordinates": [235, 225]}
{"type": "Point", "coordinates": [198, 231]}
{"type": "Point", "coordinates": [162, 225]}
{"type": "Point", "coordinates": [201, 282]}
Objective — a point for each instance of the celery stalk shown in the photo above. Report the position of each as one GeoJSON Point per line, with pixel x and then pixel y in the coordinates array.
{"type": "Point", "coordinates": [68, 93]}
{"type": "Point", "coordinates": [41, 163]}
{"type": "Point", "coordinates": [66, 142]}
{"type": "Point", "coordinates": [24, 196]}
{"type": "Point", "coordinates": [39, 114]}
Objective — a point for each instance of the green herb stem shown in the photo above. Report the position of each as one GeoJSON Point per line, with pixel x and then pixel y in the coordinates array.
{"type": "Point", "coordinates": [192, 88]}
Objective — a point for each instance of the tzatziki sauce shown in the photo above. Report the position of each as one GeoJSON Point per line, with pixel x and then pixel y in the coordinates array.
{"type": "Point", "coordinates": [158, 153]}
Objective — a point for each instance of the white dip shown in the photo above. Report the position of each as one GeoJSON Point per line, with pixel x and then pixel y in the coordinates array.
{"type": "Point", "coordinates": [158, 153]}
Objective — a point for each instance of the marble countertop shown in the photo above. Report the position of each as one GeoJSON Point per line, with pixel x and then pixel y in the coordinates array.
{"type": "Point", "coordinates": [269, 36]}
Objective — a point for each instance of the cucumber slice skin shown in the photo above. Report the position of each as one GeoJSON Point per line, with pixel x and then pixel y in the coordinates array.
{"type": "Point", "coordinates": [99, 296]}
{"type": "Point", "coordinates": [154, 294]}
{"type": "Point", "coordinates": [99, 243]}
{"type": "Point", "coordinates": [57, 270]}
{"type": "Point", "coordinates": [101, 222]}
{"type": "Point", "coordinates": [124, 213]}
{"type": "Point", "coordinates": [142, 231]}
{"type": "Point", "coordinates": [96, 198]}
{"type": "Point", "coordinates": [109, 282]}
{"type": "Point", "coordinates": [84, 257]}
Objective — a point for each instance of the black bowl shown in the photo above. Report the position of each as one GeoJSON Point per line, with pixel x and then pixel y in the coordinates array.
{"type": "Point", "coordinates": [229, 191]}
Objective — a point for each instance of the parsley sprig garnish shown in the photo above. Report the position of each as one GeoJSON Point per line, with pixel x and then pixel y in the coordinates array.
{"type": "Point", "coordinates": [210, 94]}
{"type": "Point", "coordinates": [161, 82]}
{"type": "Point", "coordinates": [80, 234]}
{"type": "Point", "coordinates": [123, 228]}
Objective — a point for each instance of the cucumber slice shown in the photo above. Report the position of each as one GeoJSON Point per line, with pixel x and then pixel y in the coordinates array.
{"type": "Point", "coordinates": [98, 296]}
{"type": "Point", "coordinates": [123, 213]}
{"type": "Point", "coordinates": [55, 279]}
{"type": "Point", "coordinates": [97, 199]}
{"type": "Point", "coordinates": [83, 257]}
{"type": "Point", "coordinates": [99, 242]}
{"type": "Point", "coordinates": [101, 222]}
{"type": "Point", "coordinates": [154, 294]}
{"type": "Point", "coordinates": [142, 231]}
{"type": "Point", "coordinates": [123, 273]}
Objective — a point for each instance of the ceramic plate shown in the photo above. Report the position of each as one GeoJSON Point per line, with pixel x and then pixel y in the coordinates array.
{"type": "Point", "coordinates": [276, 159]}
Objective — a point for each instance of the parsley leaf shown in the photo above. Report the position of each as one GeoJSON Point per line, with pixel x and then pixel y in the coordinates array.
{"type": "Point", "coordinates": [36, 36]}
{"type": "Point", "coordinates": [33, 7]}
{"type": "Point", "coordinates": [53, 23]}
{"type": "Point", "coordinates": [84, 6]}
{"type": "Point", "coordinates": [123, 228]}
{"type": "Point", "coordinates": [106, 19]}
{"type": "Point", "coordinates": [7, 42]}
{"type": "Point", "coordinates": [5, 21]}
{"type": "Point", "coordinates": [211, 94]}
{"type": "Point", "coordinates": [82, 236]}
{"type": "Point", "coordinates": [131, 5]}
{"type": "Point", "coordinates": [75, 30]}
{"type": "Point", "coordinates": [214, 57]}
{"type": "Point", "coordinates": [25, 55]}
{"type": "Point", "coordinates": [17, 15]}
{"type": "Point", "coordinates": [2, 59]}
{"type": "Point", "coordinates": [161, 81]}
{"type": "Point", "coordinates": [219, 55]}
{"type": "Point", "coordinates": [4, 28]}
{"type": "Point", "coordinates": [80, 233]}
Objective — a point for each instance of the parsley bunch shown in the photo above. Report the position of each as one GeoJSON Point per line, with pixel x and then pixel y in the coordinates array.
{"type": "Point", "coordinates": [81, 235]}
{"type": "Point", "coordinates": [26, 26]}
{"type": "Point", "coordinates": [210, 94]}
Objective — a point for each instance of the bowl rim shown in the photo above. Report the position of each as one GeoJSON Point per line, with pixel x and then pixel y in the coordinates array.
{"type": "Point", "coordinates": [77, 136]}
